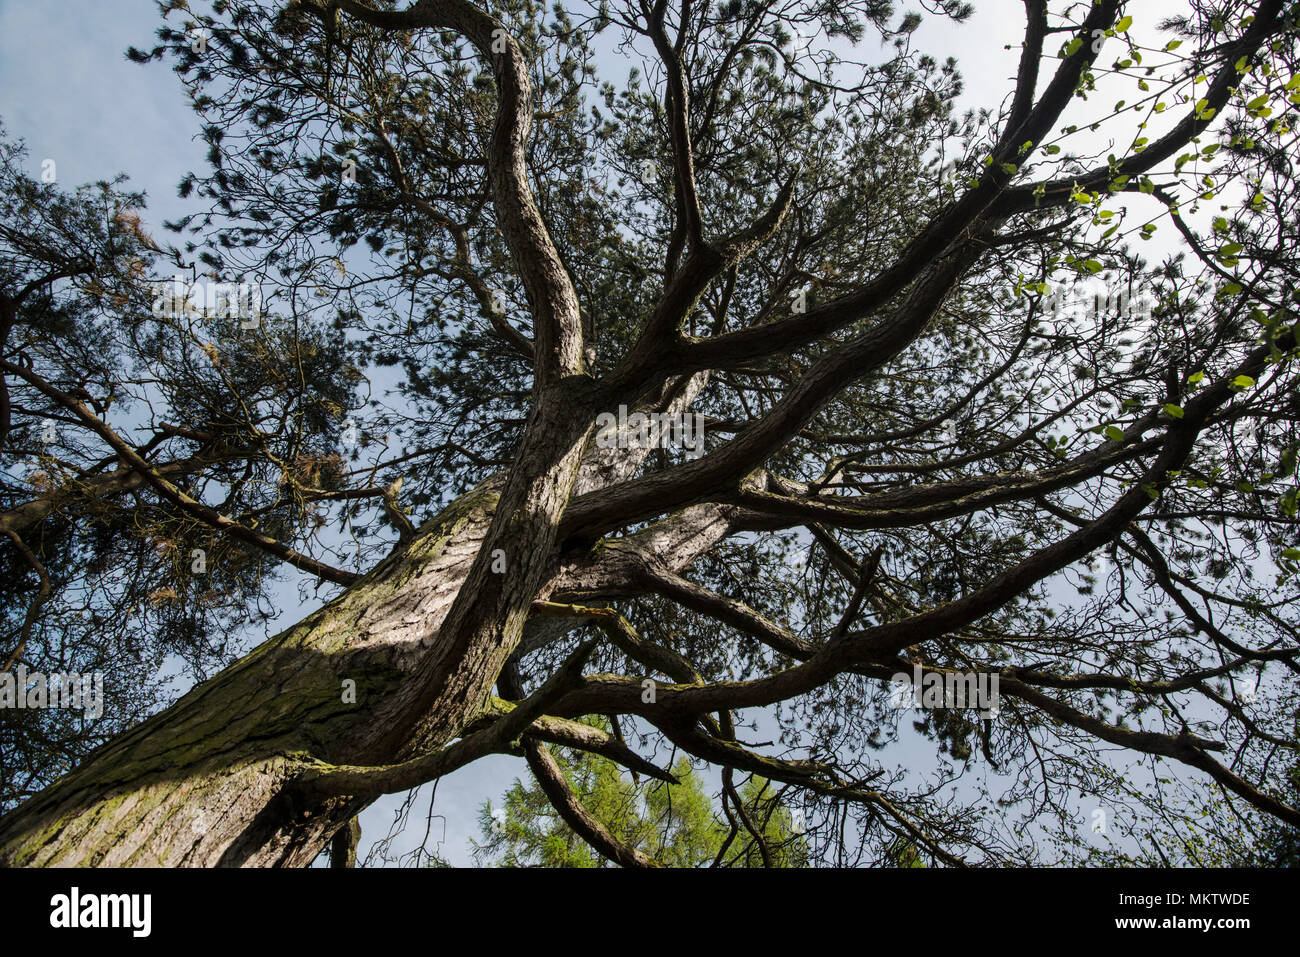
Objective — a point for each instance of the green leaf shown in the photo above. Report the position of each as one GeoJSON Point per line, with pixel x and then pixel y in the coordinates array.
{"type": "Point", "coordinates": [1288, 504]}
{"type": "Point", "coordinates": [1123, 24]}
{"type": "Point", "coordinates": [1243, 382]}
{"type": "Point", "coordinates": [1114, 433]}
{"type": "Point", "coordinates": [1173, 411]}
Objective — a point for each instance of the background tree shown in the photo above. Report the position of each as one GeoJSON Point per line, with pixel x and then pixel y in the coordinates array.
{"type": "Point", "coordinates": [671, 822]}
{"type": "Point", "coordinates": [911, 448]}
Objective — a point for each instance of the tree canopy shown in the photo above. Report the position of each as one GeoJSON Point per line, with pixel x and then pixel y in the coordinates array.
{"type": "Point", "coordinates": [896, 388]}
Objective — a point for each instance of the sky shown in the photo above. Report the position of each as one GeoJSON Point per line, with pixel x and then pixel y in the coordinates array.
{"type": "Point", "coordinates": [67, 89]}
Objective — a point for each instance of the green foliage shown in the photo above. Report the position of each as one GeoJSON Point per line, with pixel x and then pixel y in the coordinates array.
{"type": "Point", "coordinates": [137, 590]}
{"type": "Point", "coordinates": [675, 825]}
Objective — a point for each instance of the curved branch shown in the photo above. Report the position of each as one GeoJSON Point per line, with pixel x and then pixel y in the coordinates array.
{"type": "Point", "coordinates": [167, 490]}
{"type": "Point", "coordinates": [551, 293]}
{"type": "Point", "coordinates": [551, 780]}
{"type": "Point", "coordinates": [34, 608]}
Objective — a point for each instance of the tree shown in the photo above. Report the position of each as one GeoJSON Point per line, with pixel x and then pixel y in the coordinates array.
{"type": "Point", "coordinates": [129, 569]}
{"type": "Point", "coordinates": [670, 821]}
{"type": "Point", "coordinates": [914, 450]}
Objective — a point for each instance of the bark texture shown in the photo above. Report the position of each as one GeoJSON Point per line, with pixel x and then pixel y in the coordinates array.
{"type": "Point", "coordinates": [207, 782]}
{"type": "Point", "coordinates": [201, 783]}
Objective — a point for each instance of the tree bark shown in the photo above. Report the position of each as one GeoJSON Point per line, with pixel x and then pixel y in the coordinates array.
{"type": "Point", "coordinates": [202, 783]}
{"type": "Point", "coordinates": [206, 782]}
{"type": "Point", "coordinates": [343, 846]}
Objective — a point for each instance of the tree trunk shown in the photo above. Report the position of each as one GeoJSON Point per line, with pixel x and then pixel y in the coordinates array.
{"type": "Point", "coordinates": [376, 676]}
{"type": "Point", "coordinates": [200, 783]}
